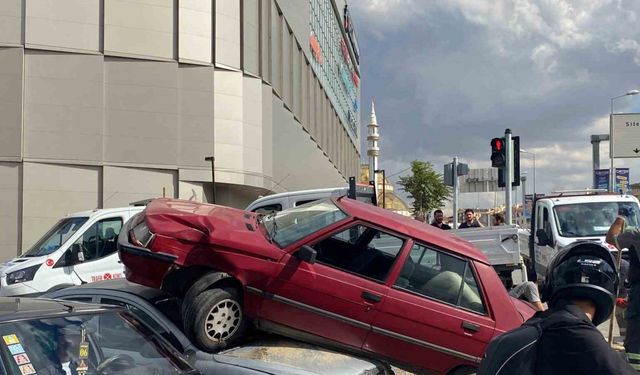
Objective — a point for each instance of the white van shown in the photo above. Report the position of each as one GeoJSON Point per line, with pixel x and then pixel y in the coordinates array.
{"type": "Point", "coordinates": [78, 249]}
{"type": "Point", "coordinates": [283, 201]}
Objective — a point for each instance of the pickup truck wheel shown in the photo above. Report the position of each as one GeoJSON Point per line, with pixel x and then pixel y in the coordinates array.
{"type": "Point", "coordinates": [214, 319]}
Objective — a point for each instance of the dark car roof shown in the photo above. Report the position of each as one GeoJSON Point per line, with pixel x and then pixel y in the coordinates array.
{"type": "Point", "coordinates": [14, 308]}
{"type": "Point", "coordinates": [124, 286]}
{"type": "Point", "coordinates": [414, 228]}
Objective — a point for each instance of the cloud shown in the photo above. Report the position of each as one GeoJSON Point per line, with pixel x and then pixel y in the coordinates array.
{"type": "Point", "coordinates": [449, 75]}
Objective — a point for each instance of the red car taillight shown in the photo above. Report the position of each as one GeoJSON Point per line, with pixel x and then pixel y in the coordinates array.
{"type": "Point", "coordinates": [140, 235]}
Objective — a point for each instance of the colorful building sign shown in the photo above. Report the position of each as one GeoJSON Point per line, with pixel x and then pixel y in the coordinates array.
{"type": "Point", "coordinates": [622, 179]}
{"type": "Point", "coordinates": [333, 63]}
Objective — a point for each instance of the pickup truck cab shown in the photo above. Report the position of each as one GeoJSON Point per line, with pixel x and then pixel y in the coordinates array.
{"type": "Point", "coordinates": [572, 216]}
{"type": "Point", "coordinates": [80, 248]}
{"type": "Point", "coordinates": [335, 271]}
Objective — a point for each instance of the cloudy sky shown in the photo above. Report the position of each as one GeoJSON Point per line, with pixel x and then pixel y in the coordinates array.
{"type": "Point", "coordinates": [449, 75]}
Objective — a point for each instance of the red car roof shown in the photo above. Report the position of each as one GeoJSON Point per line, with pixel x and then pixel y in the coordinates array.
{"type": "Point", "coordinates": [420, 231]}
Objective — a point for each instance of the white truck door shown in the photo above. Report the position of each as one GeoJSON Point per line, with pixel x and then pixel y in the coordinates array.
{"type": "Point", "coordinates": [544, 237]}
{"type": "Point", "coordinates": [99, 260]}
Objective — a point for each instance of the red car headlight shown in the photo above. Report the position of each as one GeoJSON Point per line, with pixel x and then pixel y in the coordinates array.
{"type": "Point", "coordinates": [140, 235]}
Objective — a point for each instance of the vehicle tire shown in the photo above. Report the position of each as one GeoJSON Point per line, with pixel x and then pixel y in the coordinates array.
{"type": "Point", "coordinates": [214, 319]}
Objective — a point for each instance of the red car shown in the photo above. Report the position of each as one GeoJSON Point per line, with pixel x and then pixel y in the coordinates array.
{"type": "Point", "coordinates": [338, 272]}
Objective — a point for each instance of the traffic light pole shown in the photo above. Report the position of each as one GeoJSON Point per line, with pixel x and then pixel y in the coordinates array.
{"type": "Point", "coordinates": [508, 176]}
{"type": "Point", "coordinates": [455, 192]}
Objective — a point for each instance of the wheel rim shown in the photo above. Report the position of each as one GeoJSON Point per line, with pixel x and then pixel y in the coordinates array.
{"type": "Point", "coordinates": [223, 320]}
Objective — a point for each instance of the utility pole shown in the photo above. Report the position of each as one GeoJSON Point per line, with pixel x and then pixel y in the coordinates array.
{"type": "Point", "coordinates": [508, 180]}
{"type": "Point", "coordinates": [455, 192]}
{"type": "Point", "coordinates": [523, 180]}
{"type": "Point", "coordinates": [213, 177]}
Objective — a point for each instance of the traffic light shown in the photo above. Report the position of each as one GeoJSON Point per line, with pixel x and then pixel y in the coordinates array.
{"type": "Point", "coordinates": [498, 153]}
{"type": "Point", "coordinates": [516, 162]}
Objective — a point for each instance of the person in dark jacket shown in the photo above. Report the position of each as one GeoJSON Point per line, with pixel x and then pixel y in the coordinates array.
{"type": "Point", "coordinates": [470, 220]}
{"type": "Point", "coordinates": [579, 288]}
{"type": "Point", "coordinates": [438, 220]}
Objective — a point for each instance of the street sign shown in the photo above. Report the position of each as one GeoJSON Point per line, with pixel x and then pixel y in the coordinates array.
{"type": "Point", "coordinates": [480, 181]}
{"type": "Point", "coordinates": [622, 179]}
{"type": "Point", "coordinates": [626, 135]}
{"type": "Point", "coordinates": [602, 179]}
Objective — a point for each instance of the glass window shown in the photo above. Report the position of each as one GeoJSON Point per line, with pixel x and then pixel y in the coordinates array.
{"type": "Point", "coordinates": [268, 208]}
{"type": "Point", "coordinates": [100, 239]}
{"type": "Point", "coordinates": [440, 276]}
{"type": "Point", "coordinates": [106, 342]}
{"type": "Point", "coordinates": [146, 319]}
{"type": "Point", "coordinates": [56, 236]}
{"type": "Point", "coordinates": [360, 249]}
{"type": "Point", "coordinates": [594, 218]}
{"type": "Point", "coordinates": [288, 226]}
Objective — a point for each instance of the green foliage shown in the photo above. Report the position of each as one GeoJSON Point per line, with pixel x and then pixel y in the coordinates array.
{"type": "Point", "coordinates": [426, 187]}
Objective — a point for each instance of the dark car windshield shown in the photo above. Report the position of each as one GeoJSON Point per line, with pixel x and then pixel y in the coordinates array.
{"type": "Point", "coordinates": [593, 219]}
{"type": "Point", "coordinates": [288, 226]}
{"type": "Point", "coordinates": [56, 236]}
{"type": "Point", "coordinates": [97, 343]}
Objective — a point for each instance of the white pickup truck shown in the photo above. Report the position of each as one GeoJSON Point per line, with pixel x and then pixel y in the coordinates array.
{"type": "Point", "coordinates": [572, 216]}
{"type": "Point", "coordinates": [558, 220]}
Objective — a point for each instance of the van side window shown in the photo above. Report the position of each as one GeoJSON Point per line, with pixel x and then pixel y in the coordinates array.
{"type": "Point", "coordinates": [268, 208]}
{"type": "Point", "coordinates": [100, 239]}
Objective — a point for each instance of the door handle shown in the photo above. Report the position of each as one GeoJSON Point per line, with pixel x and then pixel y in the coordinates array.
{"type": "Point", "coordinates": [470, 327]}
{"type": "Point", "coordinates": [370, 297]}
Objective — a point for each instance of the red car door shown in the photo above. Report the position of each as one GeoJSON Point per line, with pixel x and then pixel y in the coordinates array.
{"type": "Point", "coordinates": [434, 315]}
{"type": "Point", "coordinates": [338, 296]}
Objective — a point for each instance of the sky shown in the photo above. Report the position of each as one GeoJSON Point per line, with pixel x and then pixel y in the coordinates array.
{"type": "Point", "coordinates": [448, 75]}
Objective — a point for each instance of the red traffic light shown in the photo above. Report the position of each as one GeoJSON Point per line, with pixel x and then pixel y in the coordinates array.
{"type": "Point", "coordinates": [496, 144]}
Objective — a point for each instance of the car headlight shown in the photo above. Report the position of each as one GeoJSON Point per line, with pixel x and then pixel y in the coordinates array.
{"type": "Point", "coordinates": [140, 235]}
{"type": "Point", "coordinates": [22, 275]}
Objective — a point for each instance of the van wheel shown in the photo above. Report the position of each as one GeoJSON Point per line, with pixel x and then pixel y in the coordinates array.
{"type": "Point", "coordinates": [214, 319]}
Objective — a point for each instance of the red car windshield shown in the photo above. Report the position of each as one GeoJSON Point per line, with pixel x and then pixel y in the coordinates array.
{"type": "Point", "coordinates": [288, 226]}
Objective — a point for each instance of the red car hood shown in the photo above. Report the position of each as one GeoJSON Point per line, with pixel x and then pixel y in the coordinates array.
{"type": "Point", "coordinates": [208, 224]}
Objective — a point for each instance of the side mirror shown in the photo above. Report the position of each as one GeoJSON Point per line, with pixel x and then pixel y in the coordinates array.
{"type": "Point", "coordinates": [307, 254]}
{"type": "Point", "coordinates": [543, 238]}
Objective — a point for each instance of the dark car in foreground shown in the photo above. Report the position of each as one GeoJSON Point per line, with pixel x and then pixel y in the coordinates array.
{"type": "Point", "coordinates": [335, 271]}
{"type": "Point", "coordinates": [49, 337]}
{"type": "Point", "coordinates": [266, 355]}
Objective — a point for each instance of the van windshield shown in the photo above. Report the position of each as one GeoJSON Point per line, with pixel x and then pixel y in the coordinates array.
{"type": "Point", "coordinates": [56, 236]}
{"type": "Point", "coordinates": [594, 219]}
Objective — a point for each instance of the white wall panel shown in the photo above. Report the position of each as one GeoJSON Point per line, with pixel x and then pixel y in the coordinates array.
{"type": "Point", "coordinates": [252, 125]}
{"type": "Point", "coordinates": [142, 28]}
{"type": "Point", "coordinates": [195, 34]}
{"type": "Point", "coordinates": [11, 22]}
{"type": "Point", "coordinates": [267, 134]}
{"type": "Point", "coordinates": [11, 63]}
{"type": "Point", "coordinates": [9, 210]}
{"type": "Point", "coordinates": [228, 120]}
{"type": "Point", "coordinates": [125, 185]}
{"type": "Point", "coordinates": [51, 191]}
{"type": "Point", "coordinates": [294, 152]}
{"type": "Point", "coordinates": [141, 112]}
{"type": "Point", "coordinates": [251, 35]}
{"type": "Point", "coordinates": [63, 106]}
{"type": "Point", "coordinates": [196, 114]}
{"type": "Point", "coordinates": [192, 191]}
{"type": "Point", "coordinates": [227, 26]}
{"type": "Point", "coordinates": [73, 24]}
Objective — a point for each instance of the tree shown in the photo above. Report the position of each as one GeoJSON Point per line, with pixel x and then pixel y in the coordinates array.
{"type": "Point", "coordinates": [426, 187]}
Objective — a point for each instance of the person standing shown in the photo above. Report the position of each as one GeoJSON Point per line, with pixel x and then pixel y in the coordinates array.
{"type": "Point", "coordinates": [438, 220]}
{"type": "Point", "coordinates": [579, 288]}
{"type": "Point", "coordinates": [631, 241]}
{"type": "Point", "coordinates": [470, 220]}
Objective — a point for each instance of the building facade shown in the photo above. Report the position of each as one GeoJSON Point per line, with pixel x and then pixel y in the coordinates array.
{"type": "Point", "coordinates": [106, 102]}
